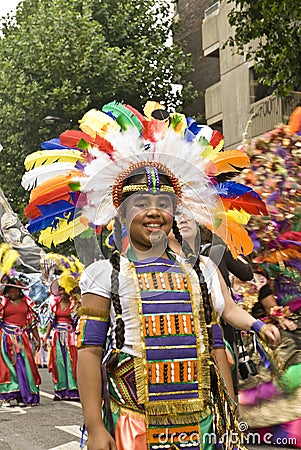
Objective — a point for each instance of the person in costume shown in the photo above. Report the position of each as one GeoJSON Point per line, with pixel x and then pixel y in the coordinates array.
{"type": "Point", "coordinates": [157, 378]}
{"type": "Point", "coordinates": [41, 357]}
{"type": "Point", "coordinates": [61, 329]}
{"type": "Point", "coordinates": [269, 404]}
{"type": "Point", "coordinates": [19, 377]}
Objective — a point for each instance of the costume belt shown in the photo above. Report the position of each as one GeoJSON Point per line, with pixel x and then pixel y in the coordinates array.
{"type": "Point", "coordinates": [63, 326]}
{"type": "Point", "coordinates": [12, 329]}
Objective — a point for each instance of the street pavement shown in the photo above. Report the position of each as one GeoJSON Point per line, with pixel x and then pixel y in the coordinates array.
{"type": "Point", "coordinates": [51, 425]}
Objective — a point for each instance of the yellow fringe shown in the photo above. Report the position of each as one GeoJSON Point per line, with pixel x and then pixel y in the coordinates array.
{"type": "Point", "coordinates": [174, 407]}
{"type": "Point", "coordinates": [183, 419]}
{"type": "Point", "coordinates": [103, 314]}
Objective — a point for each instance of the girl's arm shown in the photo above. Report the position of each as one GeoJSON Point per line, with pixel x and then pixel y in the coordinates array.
{"type": "Point", "coordinates": [45, 338]}
{"type": "Point", "coordinates": [90, 384]}
{"type": "Point", "coordinates": [241, 319]}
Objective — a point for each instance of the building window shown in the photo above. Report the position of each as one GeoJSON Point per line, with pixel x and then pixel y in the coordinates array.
{"type": "Point", "coordinates": [258, 91]}
{"type": "Point", "coordinates": [217, 126]}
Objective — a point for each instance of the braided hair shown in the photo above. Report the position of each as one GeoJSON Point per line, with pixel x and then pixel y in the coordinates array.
{"type": "Point", "coordinates": [115, 261]}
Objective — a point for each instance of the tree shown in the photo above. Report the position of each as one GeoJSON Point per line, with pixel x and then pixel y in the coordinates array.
{"type": "Point", "coordinates": [275, 27]}
{"type": "Point", "coordinates": [63, 57]}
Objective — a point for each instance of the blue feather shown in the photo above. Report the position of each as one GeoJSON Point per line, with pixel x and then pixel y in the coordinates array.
{"type": "Point", "coordinates": [54, 144]}
{"type": "Point", "coordinates": [50, 215]}
{"type": "Point", "coordinates": [232, 189]}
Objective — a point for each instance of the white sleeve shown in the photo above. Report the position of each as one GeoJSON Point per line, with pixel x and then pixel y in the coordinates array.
{"type": "Point", "coordinates": [96, 279]}
{"type": "Point", "coordinates": [210, 271]}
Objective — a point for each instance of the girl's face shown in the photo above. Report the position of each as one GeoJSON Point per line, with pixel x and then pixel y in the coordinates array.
{"type": "Point", "coordinates": [13, 293]}
{"type": "Point", "coordinates": [188, 227]}
{"type": "Point", "coordinates": [148, 219]}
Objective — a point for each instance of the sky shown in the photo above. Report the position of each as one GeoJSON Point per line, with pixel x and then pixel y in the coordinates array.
{"type": "Point", "coordinates": [7, 5]}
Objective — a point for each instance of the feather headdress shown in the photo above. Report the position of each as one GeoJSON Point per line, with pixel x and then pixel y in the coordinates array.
{"type": "Point", "coordinates": [70, 269]}
{"type": "Point", "coordinates": [113, 143]}
{"type": "Point", "coordinates": [8, 257]}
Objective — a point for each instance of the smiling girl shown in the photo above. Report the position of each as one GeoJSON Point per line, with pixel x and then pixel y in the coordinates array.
{"type": "Point", "coordinates": [145, 375]}
{"type": "Point", "coordinates": [161, 311]}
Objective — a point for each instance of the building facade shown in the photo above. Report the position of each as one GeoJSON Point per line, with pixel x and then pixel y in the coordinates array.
{"type": "Point", "coordinates": [233, 101]}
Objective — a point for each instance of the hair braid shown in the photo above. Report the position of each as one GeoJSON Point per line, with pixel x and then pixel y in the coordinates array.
{"type": "Point", "coordinates": [119, 329]}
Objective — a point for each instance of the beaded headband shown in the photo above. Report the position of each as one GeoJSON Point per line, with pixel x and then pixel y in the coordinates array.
{"type": "Point", "coordinates": [153, 185]}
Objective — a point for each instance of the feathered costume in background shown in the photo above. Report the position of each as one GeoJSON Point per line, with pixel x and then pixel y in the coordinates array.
{"type": "Point", "coordinates": [275, 174]}
{"type": "Point", "coordinates": [275, 163]}
{"type": "Point", "coordinates": [73, 177]}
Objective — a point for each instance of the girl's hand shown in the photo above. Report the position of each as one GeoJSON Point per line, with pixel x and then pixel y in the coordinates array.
{"type": "Point", "coordinates": [271, 335]}
{"type": "Point", "coordinates": [101, 440]}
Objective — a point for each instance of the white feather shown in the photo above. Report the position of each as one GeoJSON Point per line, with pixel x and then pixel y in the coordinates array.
{"type": "Point", "coordinates": [36, 176]}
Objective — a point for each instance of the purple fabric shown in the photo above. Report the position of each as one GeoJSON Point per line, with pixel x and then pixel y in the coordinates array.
{"type": "Point", "coordinates": [27, 397]}
{"type": "Point", "coordinates": [172, 387]}
{"type": "Point", "coordinates": [166, 308]}
{"type": "Point", "coordinates": [166, 296]}
{"type": "Point", "coordinates": [257, 326]}
{"type": "Point", "coordinates": [95, 332]}
{"type": "Point", "coordinates": [218, 339]}
{"type": "Point", "coordinates": [265, 391]}
{"type": "Point", "coordinates": [171, 353]}
{"type": "Point", "coordinates": [174, 397]}
{"type": "Point", "coordinates": [176, 340]}
{"type": "Point", "coordinates": [156, 265]}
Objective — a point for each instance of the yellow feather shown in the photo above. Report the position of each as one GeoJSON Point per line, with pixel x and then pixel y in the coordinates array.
{"type": "Point", "coordinates": [46, 157]}
{"type": "Point", "coordinates": [240, 216]}
{"type": "Point", "coordinates": [62, 233]}
{"type": "Point", "coordinates": [210, 152]}
{"type": "Point", "coordinates": [96, 122]}
{"type": "Point", "coordinates": [4, 247]}
{"type": "Point", "coordinates": [8, 257]}
{"type": "Point", "coordinates": [150, 107]}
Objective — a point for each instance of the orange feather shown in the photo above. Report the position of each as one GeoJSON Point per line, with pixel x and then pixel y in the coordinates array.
{"type": "Point", "coordinates": [231, 161]}
{"type": "Point", "coordinates": [234, 235]}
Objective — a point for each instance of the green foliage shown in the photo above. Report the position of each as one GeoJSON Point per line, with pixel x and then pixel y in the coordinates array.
{"type": "Point", "coordinates": [63, 57]}
{"type": "Point", "coordinates": [275, 26]}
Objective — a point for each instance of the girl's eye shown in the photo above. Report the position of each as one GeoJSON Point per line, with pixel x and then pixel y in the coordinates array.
{"type": "Point", "coordinates": [141, 205]}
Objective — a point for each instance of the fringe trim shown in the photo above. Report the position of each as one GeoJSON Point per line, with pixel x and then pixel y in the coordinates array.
{"type": "Point", "coordinates": [224, 419]}
{"type": "Point", "coordinates": [140, 364]}
{"type": "Point", "coordinates": [184, 419]}
{"type": "Point", "coordinates": [174, 407]}
{"type": "Point", "coordinates": [102, 314]}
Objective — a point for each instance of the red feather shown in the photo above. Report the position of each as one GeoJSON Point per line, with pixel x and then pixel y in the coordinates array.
{"type": "Point", "coordinates": [32, 211]}
{"type": "Point", "coordinates": [216, 138]}
{"type": "Point", "coordinates": [248, 203]}
{"type": "Point", "coordinates": [71, 138]}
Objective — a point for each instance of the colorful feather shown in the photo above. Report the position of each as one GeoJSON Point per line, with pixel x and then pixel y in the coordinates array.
{"type": "Point", "coordinates": [50, 215]}
{"type": "Point", "coordinates": [294, 123]}
{"type": "Point", "coordinates": [231, 161]}
{"type": "Point", "coordinates": [249, 202]}
{"type": "Point", "coordinates": [54, 144]}
{"type": "Point", "coordinates": [73, 137]}
{"type": "Point", "coordinates": [36, 176]}
{"type": "Point", "coordinates": [96, 122]}
{"type": "Point", "coordinates": [45, 157]}
{"type": "Point", "coordinates": [124, 117]}
{"type": "Point", "coordinates": [234, 235]}
{"type": "Point", "coordinates": [64, 230]}
{"type": "Point", "coordinates": [8, 257]}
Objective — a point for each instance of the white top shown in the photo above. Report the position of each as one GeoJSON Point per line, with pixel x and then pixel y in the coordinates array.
{"type": "Point", "coordinates": [96, 279]}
